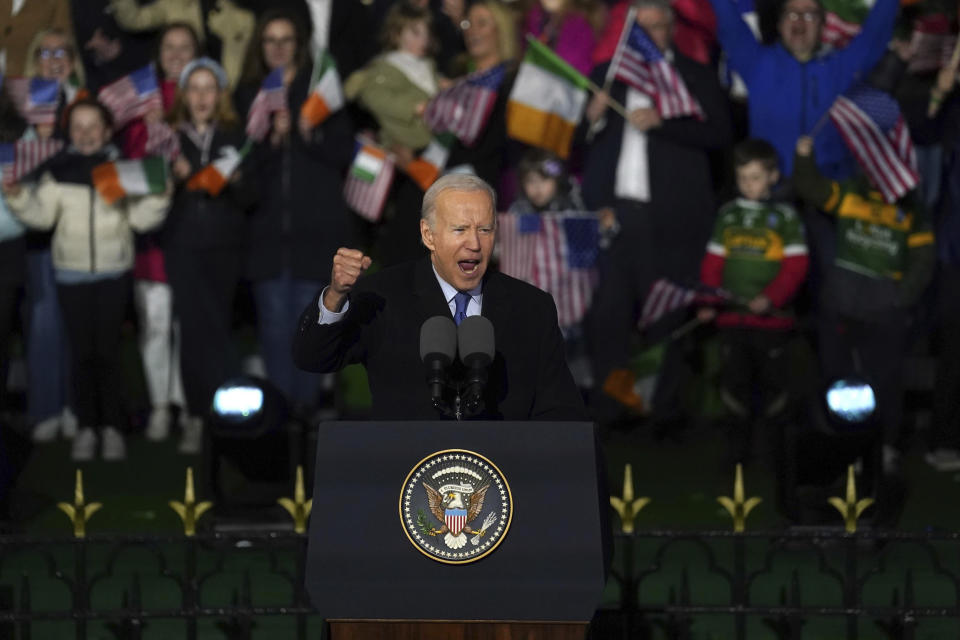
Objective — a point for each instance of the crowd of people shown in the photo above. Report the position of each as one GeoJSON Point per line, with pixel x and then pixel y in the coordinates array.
{"type": "Point", "coordinates": [805, 232]}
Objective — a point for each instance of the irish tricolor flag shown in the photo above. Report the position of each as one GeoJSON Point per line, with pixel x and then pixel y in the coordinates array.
{"type": "Point", "coordinates": [427, 168]}
{"type": "Point", "coordinates": [547, 100]}
{"type": "Point", "coordinates": [327, 93]}
{"type": "Point", "coordinates": [214, 177]}
{"type": "Point", "coordinates": [116, 180]}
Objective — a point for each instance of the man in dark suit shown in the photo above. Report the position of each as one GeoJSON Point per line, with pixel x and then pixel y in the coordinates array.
{"type": "Point", "coordinates": [655, 173]}
{"type": "Point", "coordinates": [376, 320]}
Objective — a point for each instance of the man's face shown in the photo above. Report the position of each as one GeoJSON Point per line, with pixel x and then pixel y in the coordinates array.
{"type": "Point", "coordinates": [658, 24]}
{"type": "Point", "coordinates": [461, 240]}
{"type": "Point", "coordinates": [800, 24]}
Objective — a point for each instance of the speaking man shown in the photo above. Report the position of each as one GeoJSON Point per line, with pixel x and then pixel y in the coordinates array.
{"type": "Point", "coordinates": [376, 319]}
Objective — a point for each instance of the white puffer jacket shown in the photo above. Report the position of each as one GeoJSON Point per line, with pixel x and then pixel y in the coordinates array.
{"type": "Point", "coordinates": [88, 234]}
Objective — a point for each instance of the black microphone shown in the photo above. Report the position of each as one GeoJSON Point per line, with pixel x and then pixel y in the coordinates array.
{"type": "Point", "coordinates": [438, 346]}
{"type": "Point", "coordinates": [476, 345]}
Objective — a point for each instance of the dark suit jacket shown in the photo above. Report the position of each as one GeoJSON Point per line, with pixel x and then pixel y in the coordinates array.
{"type": "Point", "coordinates": [528, 378]}
{"type": "Point", "coordinates": [672, 229]}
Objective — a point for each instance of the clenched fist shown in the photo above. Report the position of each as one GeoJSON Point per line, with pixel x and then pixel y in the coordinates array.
{"type": "Point", "coordinates": [348, 266]}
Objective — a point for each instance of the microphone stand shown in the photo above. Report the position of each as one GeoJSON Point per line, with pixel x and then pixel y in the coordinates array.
{"type": "Point", "coordinates": [455, 409]}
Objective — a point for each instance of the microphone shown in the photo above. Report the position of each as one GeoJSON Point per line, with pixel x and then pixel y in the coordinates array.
{"type": "Point", "coordinates": [438, 346]}
{"type": "Point", "coordinates": [476, 344]}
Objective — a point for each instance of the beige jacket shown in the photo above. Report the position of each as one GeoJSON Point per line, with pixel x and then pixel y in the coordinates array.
{"type": "Point", "coordinates": [88, 234]}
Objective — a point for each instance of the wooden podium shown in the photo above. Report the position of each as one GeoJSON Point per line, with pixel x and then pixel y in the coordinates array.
{"type": "Point", "coordinates": [441, 630]}
{"type": "Point", "coordinates": [544, 578]}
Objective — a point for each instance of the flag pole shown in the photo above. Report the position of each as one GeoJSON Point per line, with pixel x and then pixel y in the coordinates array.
{"type": "Point", "coordinates": [934, 105]}
{"type": "Point", "coordinates": [822, 121]}
{"type": "Point", "coordinates": [618, 52]}
{"type": "Point", "coordinates": [613, 104]}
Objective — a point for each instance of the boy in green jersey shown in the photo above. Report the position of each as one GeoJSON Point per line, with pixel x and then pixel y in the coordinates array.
{"type": "Point", "coordinates": [883, 260]}
{"type": "Point", "coordinates": [757, 255]}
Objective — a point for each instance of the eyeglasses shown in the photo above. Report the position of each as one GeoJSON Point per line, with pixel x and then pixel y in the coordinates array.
{"type": "Point", "coordinates": [59, 53]}
{"type": "Point", "coordinates": [280, 42]}
{"type": "Point", "coordinates": [806, 16]}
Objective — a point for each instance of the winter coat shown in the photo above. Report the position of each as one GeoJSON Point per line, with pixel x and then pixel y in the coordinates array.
{"type": "Point", "coordinates": [198, 219]}
{"type": "Point", "coordinates": [88, 234]}
{"type": "Point", "coordinates": [301, 219]}
{"type": "Point", "coordinates": [391, 97]}
{"type": "Point", "coordinates": [789, 98]}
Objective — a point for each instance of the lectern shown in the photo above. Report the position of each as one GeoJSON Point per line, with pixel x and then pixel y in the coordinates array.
{"type": "Point", "coordinates": [457, 530]}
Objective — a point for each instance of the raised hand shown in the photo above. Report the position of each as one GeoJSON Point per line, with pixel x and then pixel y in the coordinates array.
{"type": "Point", "coordinates": [348, 266]}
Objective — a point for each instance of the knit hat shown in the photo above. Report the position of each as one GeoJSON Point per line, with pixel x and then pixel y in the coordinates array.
{"type": "Point", "coordinates": [203, 63]}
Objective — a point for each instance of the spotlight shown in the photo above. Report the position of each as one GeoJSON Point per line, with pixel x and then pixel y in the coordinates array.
{"type": "Point", "coordinates": [851, 403]}
{"type": "Point", "coordinates": [246, 407]}
{"type": "Point", "coordinates": [837, 426]}
{"type": "Point", "coordinates": [252, 448]}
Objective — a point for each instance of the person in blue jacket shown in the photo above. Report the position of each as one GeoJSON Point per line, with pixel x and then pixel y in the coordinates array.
{"type": "Point", "coordinates": [792, 83]}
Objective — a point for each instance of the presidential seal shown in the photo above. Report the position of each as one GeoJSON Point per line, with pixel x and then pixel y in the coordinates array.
{"type": "Point", "coordinates": [455, 506]}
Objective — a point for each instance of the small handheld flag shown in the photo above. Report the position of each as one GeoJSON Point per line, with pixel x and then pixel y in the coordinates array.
{"type": "Point", "coordinates": [20, 158]}
{"type": "Point", "coordinates": [132, 96]}
{"type": "Point", "coordinates": [117, 180]}
{"type": "Point", "coordinates": [427, 168]}
{"type": "Point", "coordinates": [643, 66]}
{"type": "Point", "coordinates": [271, 97]}
{"type": "Point", "coordinates": [215, 176]}
{"type": "Point", "coordinates": [464, 108]}
{"type": "Point", "coordinates": [326, 95]}
{"type": "Point", "coordinates": [871, 124]}
{"type": "Point", "coordinates": [35, 98]}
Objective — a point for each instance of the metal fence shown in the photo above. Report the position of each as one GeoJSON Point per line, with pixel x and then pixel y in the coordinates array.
{"type": "Point", "coordinates": [810, 583]}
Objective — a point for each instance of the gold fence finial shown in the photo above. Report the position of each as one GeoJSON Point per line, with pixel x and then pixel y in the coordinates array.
{"type": "Point", "coordinates": [626, 507]}
{"type": "Point", "coordinates": [299, 507]}
{"type": "Point", "coordinates": [78, 512]}
{"type": "Point", "coordinates": [739, 508]}
{"type": "Point", "coordinates": [851, 508]}
{"type": "Point", "coordinates": [190, 510]}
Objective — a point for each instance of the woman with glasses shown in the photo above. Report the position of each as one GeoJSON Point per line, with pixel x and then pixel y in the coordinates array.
{"type": "Point", "coordinates": [301, 218]}
{"type": "Point", "coordinates": [52, 56]}
{"type": "Point", "coordinates": [19, 23]}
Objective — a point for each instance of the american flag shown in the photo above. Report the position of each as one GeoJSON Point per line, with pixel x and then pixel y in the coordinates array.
{"type": "Point", "coordinates": [838, 32]}
{"type": "Point", "coordinates": [132, 96]}
{"type": "Point", "coordinates": [271, 97]}
{"type": "Point", "coordinates": [35, 98]}
{"type": "Point", "coordinates": [931, 43]}
{"type": "Point", "coordinates": [464, 108]}
{"type": "Point", "coordinates": [22, 157]}
{"type": "Point", "coordinates": [368, 181]}
{"type": "Point", "coordinates": [162, 141]}
{"type": "Point", "coordinates": [642, 66]}
{"type": "Point", "coordinates": [875, 132]}
{"type": "Point", "coordinates": [556, 252]}
{"type": "Point", "coordinates": [664, 298]}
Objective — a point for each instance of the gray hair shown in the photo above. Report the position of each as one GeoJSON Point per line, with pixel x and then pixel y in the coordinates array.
{"type": "Point", "coordinates": [453, 182]}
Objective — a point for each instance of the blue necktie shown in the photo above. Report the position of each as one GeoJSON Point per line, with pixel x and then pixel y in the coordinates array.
{"type": "Point", "coordinates": [462, 300]}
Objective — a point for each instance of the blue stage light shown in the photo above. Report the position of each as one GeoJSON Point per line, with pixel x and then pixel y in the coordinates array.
{"type": "Point", "coordinates": [237, 403]}
{"type": "Point", "coordinates": [851, 401]}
